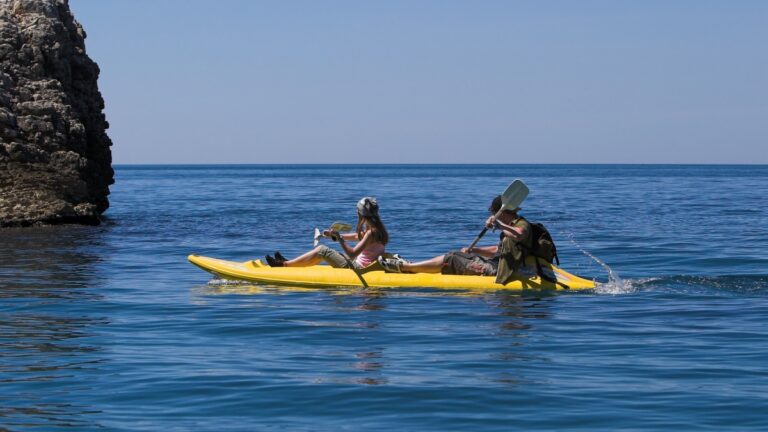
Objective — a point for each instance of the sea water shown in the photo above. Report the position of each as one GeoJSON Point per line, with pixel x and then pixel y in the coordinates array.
{"type": "Point", "coordinates": [110, 328]}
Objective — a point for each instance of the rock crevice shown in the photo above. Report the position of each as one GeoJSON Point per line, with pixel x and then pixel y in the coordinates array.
{"type": "Point", "coordinates": [55, 156]}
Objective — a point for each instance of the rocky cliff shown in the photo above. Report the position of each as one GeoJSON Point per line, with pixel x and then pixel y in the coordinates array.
{"type": "Point", "coordinates": [55, 157]}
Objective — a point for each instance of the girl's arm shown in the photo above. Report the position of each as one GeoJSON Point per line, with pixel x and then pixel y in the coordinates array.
{"type": "Point", "coordinates": [362, 244]}
{"type": "Point", "coordinates": [346, 236]}
{"type": "Point", "coordinates": [349, 236]}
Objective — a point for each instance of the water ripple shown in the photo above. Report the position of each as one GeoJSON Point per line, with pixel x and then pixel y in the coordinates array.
{"type": "Point", "coordinates": [109, 328]}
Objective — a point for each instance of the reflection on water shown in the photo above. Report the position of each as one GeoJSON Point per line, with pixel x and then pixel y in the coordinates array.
{"type": "Point", "coordinates": [518, 316]}
{"type": "Point", "coordinates": [370, 361]}
{"type": "Point", "coordinates": [46, 347]}
{"type": "Point", "coordinates": [391, 325]}
{"type": "Point", "coordinates": [226, 286]}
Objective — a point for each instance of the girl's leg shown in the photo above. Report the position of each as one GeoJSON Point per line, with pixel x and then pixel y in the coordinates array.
{"type": "Point", "coordinates": [433, 265]}
{"type": "Point", "coordinates": [316, 256]}
{"type": "Point", "coordinates": [308, 259]}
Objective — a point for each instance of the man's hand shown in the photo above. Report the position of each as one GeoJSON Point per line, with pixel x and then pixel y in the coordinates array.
{"type": "Point", "coordinates": [514, 232]}
{"type": "Point", "coordinates": [490, 222]}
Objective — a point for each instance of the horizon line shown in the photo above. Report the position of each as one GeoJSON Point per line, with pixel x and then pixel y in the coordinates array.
{"type": "Point", "coordinates": [441, 164]}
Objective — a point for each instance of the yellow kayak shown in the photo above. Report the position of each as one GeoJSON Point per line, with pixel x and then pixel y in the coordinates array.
{"type": "Point", "coordinates": [327, 276]}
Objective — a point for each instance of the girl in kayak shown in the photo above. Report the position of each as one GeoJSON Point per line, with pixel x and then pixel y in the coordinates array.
{"type": "Point", "coordinates": [370, 235]}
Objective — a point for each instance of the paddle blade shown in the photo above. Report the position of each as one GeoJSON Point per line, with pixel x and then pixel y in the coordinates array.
{"type": "Point", "coordinates": [341, 227]}
{"type": "Point", "coordinates": [515, 194]}
{"type": "Point", "coordinates": [317, 237]}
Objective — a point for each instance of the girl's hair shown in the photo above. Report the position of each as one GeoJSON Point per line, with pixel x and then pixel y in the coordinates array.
{"type": "Point", "coordinates": [374, 223]}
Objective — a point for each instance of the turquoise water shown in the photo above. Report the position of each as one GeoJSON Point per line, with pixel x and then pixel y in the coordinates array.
{"type": "Point", "coordinates": [109, 327]}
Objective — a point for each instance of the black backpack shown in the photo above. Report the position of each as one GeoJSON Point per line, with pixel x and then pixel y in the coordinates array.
{"type": "Point", "coordinates": [542, 244]}
{"type": "Point", "coordinates": [544, 247]}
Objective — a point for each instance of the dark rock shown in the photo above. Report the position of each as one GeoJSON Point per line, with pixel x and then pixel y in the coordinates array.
{"type": "Point", "coordinates": [55, 157]}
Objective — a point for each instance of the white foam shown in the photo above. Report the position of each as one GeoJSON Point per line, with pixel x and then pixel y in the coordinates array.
{"type": "Point", "coordinates": [225, 282]}
{"type": "Point", "coordinates": [615, 284]}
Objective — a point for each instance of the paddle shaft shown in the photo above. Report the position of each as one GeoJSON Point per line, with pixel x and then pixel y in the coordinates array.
{"type": "Point", "coordinates": [349, 262]}
{"type": "Point", "coordinates": [485, 230]}
{"type": "Point", "coordinates": [512, 197]}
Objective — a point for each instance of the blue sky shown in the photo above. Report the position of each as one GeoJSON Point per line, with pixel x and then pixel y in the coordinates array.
{"type": "Point", "coordinates": [420, 81]}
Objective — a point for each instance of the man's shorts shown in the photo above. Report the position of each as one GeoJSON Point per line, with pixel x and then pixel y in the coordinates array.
{"type": "Point", "coordinates": [460, 263]}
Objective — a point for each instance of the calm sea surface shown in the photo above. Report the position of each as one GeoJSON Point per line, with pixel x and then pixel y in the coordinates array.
{"type": "Point", "coordinates": [110, 328]}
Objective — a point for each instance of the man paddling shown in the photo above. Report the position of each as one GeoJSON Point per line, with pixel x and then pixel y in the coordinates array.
{"type": "Point", "coordinates": [501, 260]}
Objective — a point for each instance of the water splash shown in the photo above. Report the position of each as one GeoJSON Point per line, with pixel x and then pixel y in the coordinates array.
{"type": "Point", "coordinates": [225, 282]}
{"type": "Point", "coordinates": [615, 284]}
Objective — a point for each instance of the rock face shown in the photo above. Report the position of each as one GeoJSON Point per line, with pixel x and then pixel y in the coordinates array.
{"type": "Point", "coordinates": [55, 157]}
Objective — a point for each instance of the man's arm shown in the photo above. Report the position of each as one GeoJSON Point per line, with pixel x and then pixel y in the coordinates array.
{"type": "Point", "coordinates": [516, 233]}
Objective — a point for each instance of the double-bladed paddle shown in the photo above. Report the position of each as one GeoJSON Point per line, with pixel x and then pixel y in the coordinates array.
{"type": "Point", "coordinates": [515, 194]}
{"type": "Point", "coordinates": [336, 226]}
{"type": "Point", "coordinates": [340, 227]}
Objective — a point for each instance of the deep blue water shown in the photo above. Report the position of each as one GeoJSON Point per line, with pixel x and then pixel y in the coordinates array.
{"type": "Point", "coordinates": [110, 328]}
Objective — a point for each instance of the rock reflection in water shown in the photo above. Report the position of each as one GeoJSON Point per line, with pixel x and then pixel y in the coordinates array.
{"type": "Point", "coordinates": [46, 338]}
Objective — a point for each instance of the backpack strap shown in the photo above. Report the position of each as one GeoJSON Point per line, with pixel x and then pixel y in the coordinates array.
{"type": "Point", "coordinates": [554, 250]}
{"type": "Point", "coordinates": [542, 276]}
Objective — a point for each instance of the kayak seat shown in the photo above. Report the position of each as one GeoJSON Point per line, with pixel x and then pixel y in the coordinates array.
{"type": "Point", "coordinates": [375, 266]}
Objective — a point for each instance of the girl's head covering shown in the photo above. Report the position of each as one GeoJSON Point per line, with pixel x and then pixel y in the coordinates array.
{"type": "Point", "coordinates": [368, 207]}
